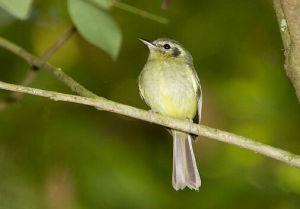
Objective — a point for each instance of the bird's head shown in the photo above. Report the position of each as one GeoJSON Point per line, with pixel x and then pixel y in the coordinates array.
{"type": "Point", "coordinates": [166, 49]}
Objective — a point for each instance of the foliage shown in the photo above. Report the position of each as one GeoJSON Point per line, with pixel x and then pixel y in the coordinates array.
{"type": "Point", "coordinates": [18, 8]}
{"type": "Point", "coordinates": [96, 26]}
{"type": "Point", "coordinates": [89, 16]}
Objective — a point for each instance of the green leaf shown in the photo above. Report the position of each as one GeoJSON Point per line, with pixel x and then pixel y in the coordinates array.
{"type": "Point", "coordinates": [103, 4]}
{"type": "Point", "coordinates": [96, 26]}
{"type": "Point", "coordinates": [18, 8]}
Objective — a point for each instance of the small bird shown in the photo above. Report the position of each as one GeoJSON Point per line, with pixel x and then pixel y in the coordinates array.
{"type": "Point", "coordinates": [169, 84]}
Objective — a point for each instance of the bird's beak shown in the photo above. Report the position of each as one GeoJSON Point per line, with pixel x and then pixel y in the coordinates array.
{"type": "Point", "coordinates": [148, 43]}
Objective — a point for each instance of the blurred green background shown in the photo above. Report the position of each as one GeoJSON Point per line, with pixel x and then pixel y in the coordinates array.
{"type": "Point", "coordinates": [56, 155]}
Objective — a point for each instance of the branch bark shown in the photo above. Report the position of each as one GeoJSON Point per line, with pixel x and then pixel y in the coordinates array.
{"type": "Point", "coordinates": [57, 72]}
{"type": "Point", "coordinates": [31, 72]}
{"type": "Point", "coordinates": [288, 16]}
{"type": "Point", "coordinates": [142, 13]}
{"type": "Point", "coordinates": [201, 130]}
{"type": "Point", "coordinates": [107, 105]}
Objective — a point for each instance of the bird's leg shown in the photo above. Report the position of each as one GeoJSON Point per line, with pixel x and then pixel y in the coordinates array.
{"type": "Point", "coordinates": [151, 112]}
{"type": "Point", "coordinates": [194, 137]}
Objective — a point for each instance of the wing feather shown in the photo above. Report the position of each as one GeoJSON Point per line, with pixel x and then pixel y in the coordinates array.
{"type": "Point", "coordinates": [197, 86]}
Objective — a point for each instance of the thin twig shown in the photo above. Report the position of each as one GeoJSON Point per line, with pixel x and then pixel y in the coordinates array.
{"type": "Point", "coordinates": [288, 16]}
{"type": "Point", "coordinates": [31, 72]}
{"type": "Point", "coordinates": [182, 125]}
{"type": "Point", "coordinates": [138, 11]}
{"type": "Point", "coordinates": [57, 72]}
{"type": "Point", "coordinates": [102, 103]}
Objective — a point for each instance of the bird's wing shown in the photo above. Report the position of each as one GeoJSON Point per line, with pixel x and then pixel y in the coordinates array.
{"type": "Point", "coordinates": [199, 92]}
{"type": "Point", "coordinates": [141, 91]}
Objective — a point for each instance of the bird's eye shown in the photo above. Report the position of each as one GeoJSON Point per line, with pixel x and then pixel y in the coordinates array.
{"type": "Point", "coordinates": [167, 46]}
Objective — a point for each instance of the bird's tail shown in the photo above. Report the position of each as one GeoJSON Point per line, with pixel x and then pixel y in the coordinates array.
{"type": "Point", "coordinates": [185, 172]}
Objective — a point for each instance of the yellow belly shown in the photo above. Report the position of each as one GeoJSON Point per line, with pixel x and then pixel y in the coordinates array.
{"type": "Point", "coordinates": [177, 106]}
{"type": "Point", "coordinates": [169, 91]}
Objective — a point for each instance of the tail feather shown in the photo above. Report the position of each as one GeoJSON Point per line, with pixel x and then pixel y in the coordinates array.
{"type": "Point", "coordinates": [185, 172]}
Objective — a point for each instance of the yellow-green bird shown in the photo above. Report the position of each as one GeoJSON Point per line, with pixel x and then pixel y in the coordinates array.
{"type": "Point", "coordinates": [170, 86]}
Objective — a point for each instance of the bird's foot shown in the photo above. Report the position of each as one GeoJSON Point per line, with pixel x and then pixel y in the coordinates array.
{"type": "Point", "coordinates": [194, 137]}
{"type": "Point", "coordinates": [151, 113]}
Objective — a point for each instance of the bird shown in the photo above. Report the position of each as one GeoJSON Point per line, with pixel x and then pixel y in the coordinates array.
{"type": "Point", "coordinates": [169, 85]}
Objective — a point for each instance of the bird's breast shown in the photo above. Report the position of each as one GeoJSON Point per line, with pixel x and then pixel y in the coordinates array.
{"type": "Point", "coordinates": [168, 89]}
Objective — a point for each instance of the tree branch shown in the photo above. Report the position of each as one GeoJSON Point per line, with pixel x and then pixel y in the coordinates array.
{"type": "Point", "coordinates": [57, 72]}
{"type": "Point", "coordinates": [31, 72]}
{"type": "Point", "coordinates": [142, 13]}
{"type": "Point", "coordinates": [107, 105]}
{"type": "Point", "coordinates": [212, 133]}
{"type": "Point", "coordinates": [288, 16]}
